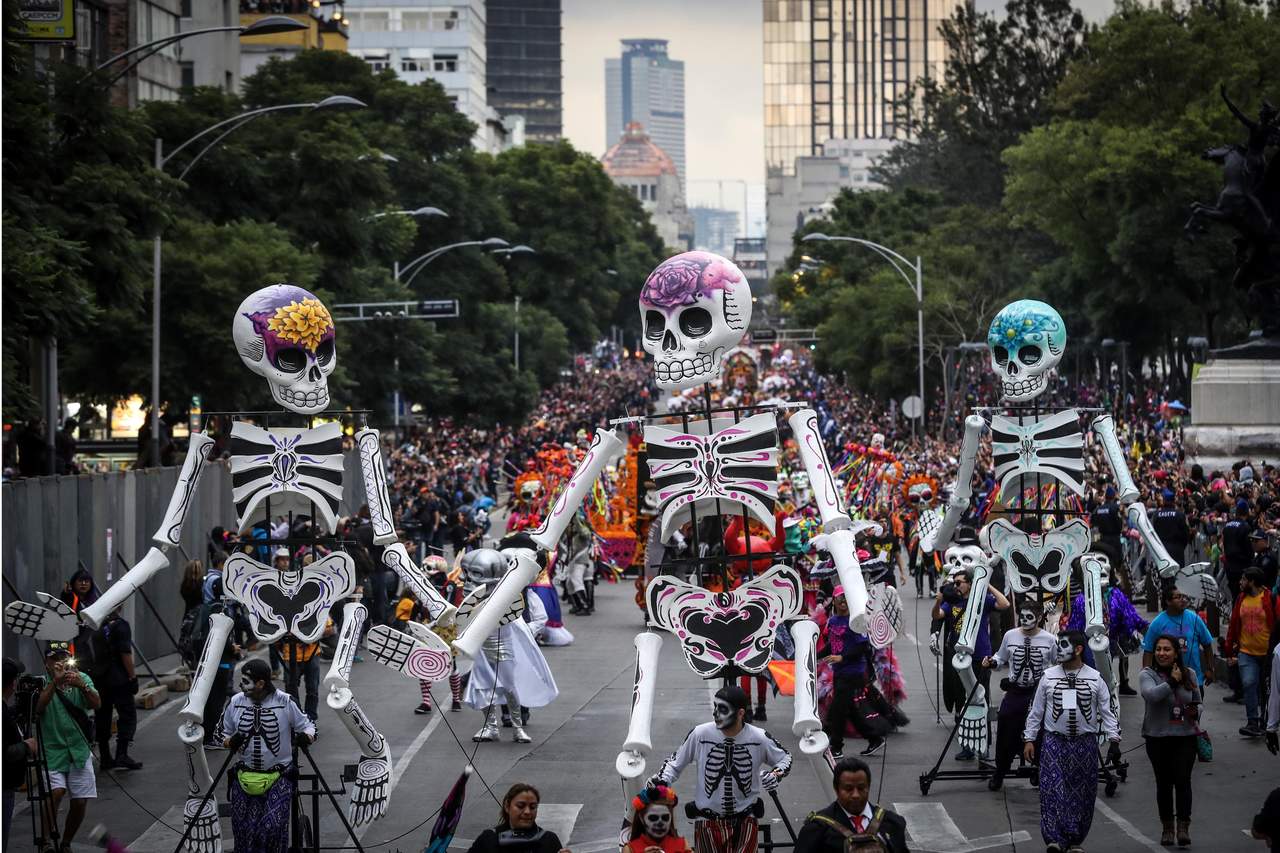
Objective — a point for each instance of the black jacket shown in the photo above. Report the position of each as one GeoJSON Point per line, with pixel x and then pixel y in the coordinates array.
{"type": "Point", "coordinates": [537, 841]}
{"type": "Point", "coordinates": [817, 836]}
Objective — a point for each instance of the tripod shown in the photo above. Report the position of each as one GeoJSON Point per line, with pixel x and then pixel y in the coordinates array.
{"type": "Point", "coordinates": [39, 789]}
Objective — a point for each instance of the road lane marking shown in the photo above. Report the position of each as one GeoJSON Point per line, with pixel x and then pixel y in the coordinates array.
{"type": "Point", "coordinates": [932, 829]}
{"type": "Point", "coordinates": [1128, 828]}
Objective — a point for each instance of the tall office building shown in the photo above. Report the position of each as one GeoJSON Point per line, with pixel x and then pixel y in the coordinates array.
{"type": "Point", "coordinates": [524, 66]}
{"type": "Point", "coordinates": [645, 86]}
{"type": "Point", "coordinates": [833, 68]}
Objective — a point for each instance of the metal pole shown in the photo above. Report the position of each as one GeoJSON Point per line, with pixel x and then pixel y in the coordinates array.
{"type": "Point", "coordinates": [920, 337]}
{"type": "Point", "coordinates": [395, 270]}
{"type": "Point", "coordinates": [396, 399]}
{"type": "Point", "coordinates": [51, 405]}
{"type": "Point", "coordinates": [155, 329]}
{"type": "Point", "coordinates": [517, 335]}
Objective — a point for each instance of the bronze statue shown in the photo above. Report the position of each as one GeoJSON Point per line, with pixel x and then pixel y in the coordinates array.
{"type": "Point", "coordinates": [1250, 203]}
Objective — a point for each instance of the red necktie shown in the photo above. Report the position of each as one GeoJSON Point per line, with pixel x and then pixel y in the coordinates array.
{"type": "Point", "coordinates": [859, 823]}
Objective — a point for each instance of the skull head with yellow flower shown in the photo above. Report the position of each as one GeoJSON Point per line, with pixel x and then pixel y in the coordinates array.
{"type": "Point", "coordinates": [285, 335]}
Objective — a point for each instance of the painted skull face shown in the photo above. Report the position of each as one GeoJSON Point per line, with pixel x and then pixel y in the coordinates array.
{"type": "Point", "coordinates": [695, 307]}
{"type": "Point", "coordinates": [285, 335]}
{"type": "Point", "coordinates": [1027, 339]}
{"type": "Point", "coordinates": [1066, 651]}
{"type": "Point", "coordinates": [1104, 567]}
{"type": "Point", "coordinates": [657, 820]}
{"type": "Point", "coordinates": [1028, 615]}
{"type": "Point", "coordinates": [920, 495]}
{"type": "Point", "coordinates": [723, 713]}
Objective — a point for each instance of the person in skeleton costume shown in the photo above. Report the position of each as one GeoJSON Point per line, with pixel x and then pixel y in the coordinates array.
{"type": "Point", "coordinates": [284, 334]}
{"type": "Point", "coordinates": [1072, 706]}
{"type": "Point", "coordinates": [735, 762]}
{"type": "Point", "coordinates": [1125, 627]}
{"type": "Point", "coordinates": [653, 829]}
{"type": "Point", "coordinates": [511, 662]}
{"type": "Point", "coordinates": [261, 722]}
{"type": "Point", "coordinates": [1028, 651]}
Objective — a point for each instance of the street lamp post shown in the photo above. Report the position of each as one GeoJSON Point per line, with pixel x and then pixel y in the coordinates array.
{"type": "Point", "coordinates": [422, 260]}
{"type": "Point", "coordinates": [520, 249]}
{"type": "Point", "coordinates": [227, 126]}
{"type": "Point", "coordinates": [904, 268]}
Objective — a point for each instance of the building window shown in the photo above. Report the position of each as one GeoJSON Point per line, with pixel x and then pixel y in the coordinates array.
{"type": "Point", "coordinates": [445, 62]}
{"type": "Point", "coordinates": [371, 22]}
{"type": "Point", "coordinates": [378, 62]}
{"type": "Point", "coordinates": [411, 65]}
{"type": "Point", "coordinates": [415, 22]}
{"type": "Point", "coordinates": [188, 74]}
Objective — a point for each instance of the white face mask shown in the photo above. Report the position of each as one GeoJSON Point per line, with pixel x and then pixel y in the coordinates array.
{"type": "Point", "coordinates": [657, 821]}
{"type": "Point", "coordinates": [723, 713]}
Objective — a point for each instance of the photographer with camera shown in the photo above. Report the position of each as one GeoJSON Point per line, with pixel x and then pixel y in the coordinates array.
{"type": "Point", "coordinates": [17, 749]}
{"type": "Point", "coordinates": [66, 697]}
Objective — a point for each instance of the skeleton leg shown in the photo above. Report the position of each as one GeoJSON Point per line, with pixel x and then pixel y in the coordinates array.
{"type": "Point", "coordinates": [1105, 429]}
{"type": "Point", "coordinates": [841, 546]}
{"type": "Point", "coordinates": [604, 447]}
{"type": "Point", "coordinates": [813, 454]}
{"type": "Point", "coordinates": [396, 558]}
{"type": "Point", "coordinates": [192, 712]}
{"type": "Point", "coordinates": [1165, 565]}
{"type": "Point", "coordinates": [95, 614]}
{"type": "Point", "coordinates": [372, 788]}
{"type": "Point", "coordinates": [206, 829]}
{"type": "Point", "coordinates": [337, 681]}
{"type": "Point", "coordinates": [806, 724]}
{"type": "Point", "coordinates": [630, 763]}
{"type": "Point", "coordinates": [974, 611]}
{"type": "Point", "coordinates": [973, 720]}
{"type": "Point", "coordinates": [375, 487]}
{"type": "Point", "coordinates": [1094, 620]}
{"type": "Point", "coordinates": [175, 516]}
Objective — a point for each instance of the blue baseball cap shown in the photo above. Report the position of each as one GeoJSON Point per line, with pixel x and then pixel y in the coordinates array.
{"type": "Point", "coordinates": [1167, 494]}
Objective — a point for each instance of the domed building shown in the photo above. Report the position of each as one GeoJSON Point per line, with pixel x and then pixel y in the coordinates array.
{"type": "Point", "coordinates": [637, 164]}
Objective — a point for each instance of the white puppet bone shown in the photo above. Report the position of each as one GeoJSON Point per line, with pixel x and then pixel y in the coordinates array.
{"type": "Point", "coordinates": [1094, 618]}
{"type": "Point", "coordinates": [415, 652]}
{"type": "Point", "coordinates": [604, 446]}
{"type": "Point", "coordinates": [439, 610]}
{"type": "Point", "coordinates": [522, 569]}
{"type": "Point", "coordinates": [975, 610]}
{"type": "Point", "coordinates": [840, 545]}
{"type": "Point", "coordinates": [369, 449]}
{"type": "Point", "coordinates": [337, 681]}
{"type": "Point", "coordinates": [199, 812]}
{"type": "Point", "coordinates": [630, 763]}
{"type": "Point", "coordinates": [805, 722]}
{"type": "Point", "coordinates": [1166, 566]}
{"type": "Point", "coordinates": [372, 788]}
{"type": "Point", "coordinates": [95, 614]}
{"type": "Point", "coordinates": [813, 455]}
{"type": "Point", "coordinates": [962, 488]}
{"type": "Point", "coordinates": [1105, 429]}
{"type": "Point", "coordinates": [206, 670]}
{"type": "Point", "coordinates": [175, 517]}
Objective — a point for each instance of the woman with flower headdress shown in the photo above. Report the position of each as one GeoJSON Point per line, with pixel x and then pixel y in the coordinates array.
{"type": "Point", "coordinates": [653, 825]}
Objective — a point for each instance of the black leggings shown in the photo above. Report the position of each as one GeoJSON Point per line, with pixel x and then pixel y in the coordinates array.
{"type": "Point", "coordinates": [854, 701]}
{"type": "Point", "coordinates": [1172, 759]}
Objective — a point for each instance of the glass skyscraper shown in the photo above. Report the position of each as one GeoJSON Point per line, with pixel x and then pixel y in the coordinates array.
{"type": "Point", "coordinates": [524, 75]}
{"type": "Point", "coordinates": [833, 69]}
{"type": "Point", "coordinates": [646, 86]}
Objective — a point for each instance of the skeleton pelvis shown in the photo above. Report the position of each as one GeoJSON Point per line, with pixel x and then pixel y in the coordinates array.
{"type": "Point", "coordinates": [292, 602]}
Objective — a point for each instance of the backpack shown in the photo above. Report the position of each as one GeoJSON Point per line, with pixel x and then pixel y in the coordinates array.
{"type": "Point", "coordinates": [192, 633]}
{"type": "Point", "coordinates": [866, 841]}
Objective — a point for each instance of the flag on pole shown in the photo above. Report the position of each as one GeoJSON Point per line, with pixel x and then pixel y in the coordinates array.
{"type": "Point", "coordinates": [450, 815]}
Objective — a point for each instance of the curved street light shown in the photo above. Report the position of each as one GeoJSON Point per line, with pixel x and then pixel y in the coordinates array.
{"type": "Point", "coordinates": [420, 211]}
{"type": "Point", "coordinates": [227, 126]}
{"type": "Point", "coordinates": [421, 261]}
{"type": "Point", "coordinates": [905, 269]}
{"type": "Point", "coordinates": [269, 25]}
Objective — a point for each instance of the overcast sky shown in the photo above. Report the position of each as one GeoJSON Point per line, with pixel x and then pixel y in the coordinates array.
{"type": "Point", "coordinates": [721, 45]}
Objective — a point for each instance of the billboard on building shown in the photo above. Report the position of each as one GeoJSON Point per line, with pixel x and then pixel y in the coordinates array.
{"type": "Point", "coordinates": [48, 21]}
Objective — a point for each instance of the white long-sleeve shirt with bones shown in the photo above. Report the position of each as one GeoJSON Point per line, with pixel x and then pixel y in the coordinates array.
{"type": "Point", "coordinates": [1026, 655]}
{"type": "Point", "coordinates": [728, 767]}
{"type": "Point", "coordinates": [1072, 702]}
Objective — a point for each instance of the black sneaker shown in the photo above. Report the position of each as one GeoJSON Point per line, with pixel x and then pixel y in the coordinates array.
{"type": "Point", "coordinates": [424, 708]}
{"type": "Point", "coordinates": [995, 782]}
{"type": "Point", "coordinates": [1252, 729]}
{"type": "Point", "coordinates": [455, 706]}
{"type": "Point", "coordinates": [873, 747]}
{"type": "Point", "coordinates": [1126, 690]}
{"type": "Point", "coordinates": [124, 762]}
{"type": "Point", "coordinates": [213, 745]}
{"type": "Point", "coordinates": [761, 716]}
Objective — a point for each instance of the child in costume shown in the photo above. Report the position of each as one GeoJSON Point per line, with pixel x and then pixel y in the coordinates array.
{"type": "Point", "coordinates": [653, 828]}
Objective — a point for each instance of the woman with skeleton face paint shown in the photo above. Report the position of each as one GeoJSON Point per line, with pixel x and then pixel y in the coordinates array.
{"type": "Point", "coordinates": [1028, 651]}
{"type": "Point", "coordinates": [653, 829]}
{"type": "Point", "coordinates": [261, 722]}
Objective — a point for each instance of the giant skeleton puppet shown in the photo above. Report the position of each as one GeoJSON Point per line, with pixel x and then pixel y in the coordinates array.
{"type": "Point", "coordinates": [695, 307]}
{"type": "Point", "coordinates": [285, 335]}
{"type": "Point", "coordinates": [1032, 447]}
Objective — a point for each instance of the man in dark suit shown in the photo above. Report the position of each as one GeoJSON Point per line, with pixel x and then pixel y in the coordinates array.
{"type": "Point", "coordinates": [851, 812]}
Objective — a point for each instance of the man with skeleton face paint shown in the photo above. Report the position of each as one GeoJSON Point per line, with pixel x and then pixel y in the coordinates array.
{"type": "Point", "coordinates": [1028, 651]}
{"type": "Point", "coordinates": [653, 828]}
{"type": "Point", "coordinates": [261, 722]}
{"type": "Point", "coordinates": [731, 756]}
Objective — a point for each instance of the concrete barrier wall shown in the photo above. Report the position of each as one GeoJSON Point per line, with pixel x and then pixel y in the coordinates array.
{"type": "Point", "coordinates": [52, 525]}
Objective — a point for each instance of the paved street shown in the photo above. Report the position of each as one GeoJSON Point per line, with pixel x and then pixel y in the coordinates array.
{"type": "Point", "coordinates": [576, 739]}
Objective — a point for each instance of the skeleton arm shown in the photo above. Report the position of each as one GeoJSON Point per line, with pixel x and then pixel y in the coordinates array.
{"type": "Point", "coordinates": [1166, 566]}
{"type": "Point", "coordinates": [630, 763]}
{"type": "Point", "coordinates": [962, 489]}
{"type": "Point", "coordinates": [837, 538]}
{"type": "Point", "coordinates": [337, 680]}
{"type": "Point", "coordinates": [372, 788]}
{"type": "Point", "coordinates": [973, 722]}
{"type": "Point", "coordinates": [1094, 615]}
{"type": "Point", "coordinates": [806, 724]}
{"type": "Point", "coordinates": [1105, 429]}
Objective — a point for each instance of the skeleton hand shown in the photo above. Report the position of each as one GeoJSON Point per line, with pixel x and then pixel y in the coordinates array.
{"type": "Point", "coordinates": [50, 619]}
{"type": "Point", "coordinates": [418, 654]}
{"type": "Point", "coordinates": [769, 780]}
